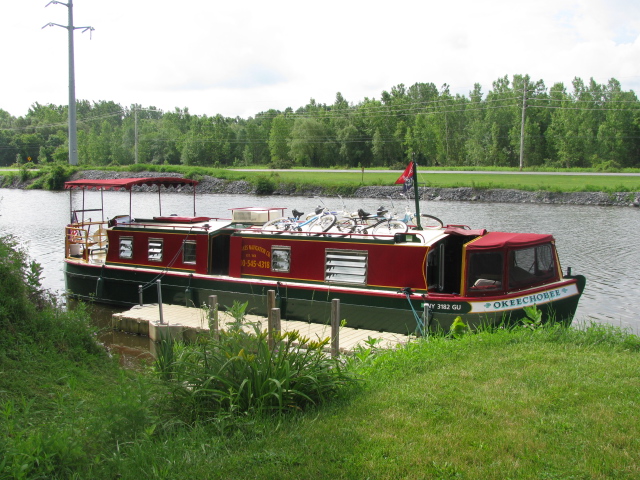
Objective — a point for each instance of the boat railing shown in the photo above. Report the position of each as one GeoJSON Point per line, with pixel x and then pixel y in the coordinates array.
{"type": "Point", "coordinates": [86, 240]}
{"type": "Point", "coordinates": [166, 223]}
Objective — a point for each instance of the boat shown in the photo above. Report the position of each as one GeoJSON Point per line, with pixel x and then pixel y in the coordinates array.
{"type": "Point", "coordinates": [412, 282]}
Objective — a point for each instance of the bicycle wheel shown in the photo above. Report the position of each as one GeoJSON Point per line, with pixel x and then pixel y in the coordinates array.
{"type": "Point", "coordinates": [345, 225]}
{"type": "Point", "coordinates": [429, 221]}
{"type": "Point", "coordinates": [277, 226]}
{"type": "Point", "coordinates": [323, 224]}
{"type": "Point", "coordinates": [389, 228]}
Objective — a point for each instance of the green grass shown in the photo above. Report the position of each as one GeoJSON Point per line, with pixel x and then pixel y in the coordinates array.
{"type": "Point", "coordinates": [548, 404]}
{"type": "Point", "coordinates": [553, 183]}
{"type": "Point", "coordinates": [551, 403]}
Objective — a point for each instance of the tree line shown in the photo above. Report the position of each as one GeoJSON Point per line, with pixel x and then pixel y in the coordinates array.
{"type": "Point", "coordinates": [590, 125]}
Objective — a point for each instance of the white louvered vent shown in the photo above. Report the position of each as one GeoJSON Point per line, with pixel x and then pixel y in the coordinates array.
{"type": "Point", "coordinates": [155, 250]}
{"type": "Point", "coordinates": [346, 266]}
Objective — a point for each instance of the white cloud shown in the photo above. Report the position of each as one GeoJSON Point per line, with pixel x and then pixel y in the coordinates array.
{"type": "Point", "coordinates": [241, 58]}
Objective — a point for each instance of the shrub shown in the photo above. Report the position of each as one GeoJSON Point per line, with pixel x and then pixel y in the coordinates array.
{"type": "Point", "coordinates": [264, 185]}
{"type": "Point", "coordinates": [55, 177]}
{"type": "Point", "coordinates": [30, 313]}
{"type": "Point", "coordinates": [280, 164]}
{"type": "Point", "coordinates": [241, 373]}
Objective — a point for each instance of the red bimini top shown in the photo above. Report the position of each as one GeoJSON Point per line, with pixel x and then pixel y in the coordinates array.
{"type": "Point", "coordinates": [128, 183]}
{"type": "Point", "coordinates": [503, 240]}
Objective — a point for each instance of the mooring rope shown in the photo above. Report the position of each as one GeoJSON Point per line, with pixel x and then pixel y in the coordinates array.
{"type": "Point", "coordinates": [419, 322]}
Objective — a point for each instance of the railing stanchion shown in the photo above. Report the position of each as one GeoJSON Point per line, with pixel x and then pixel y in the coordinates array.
{"type": "Point", "coordinates": [335, 327]}
{"type": "Point", "coordinates": [214, 326]}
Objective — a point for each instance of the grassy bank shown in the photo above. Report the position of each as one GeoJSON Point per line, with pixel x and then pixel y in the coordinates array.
{"type": "Point", "coordinates": [525, 403]}
{"type": "Point", "coordinates": [347, 181]}
{"type": "Point", "coordinates": [529, 182]}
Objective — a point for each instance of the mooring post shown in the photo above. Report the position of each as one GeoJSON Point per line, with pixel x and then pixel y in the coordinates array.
{"type": "Point", "coordinates": [140, 295]}
{"type": "Point", "coordinates": [335, 327]}
{"type": "Point", "coordinates": [425, 320]}
{"type": "Point", "coordinates": [214, 326]}
{"type": "Point", "coordinates": [160, 301]}
{"type": "Point", "coordinates": [273, 326]}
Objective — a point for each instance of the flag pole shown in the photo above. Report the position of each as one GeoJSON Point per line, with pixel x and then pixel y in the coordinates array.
{"type": "Point", "coordinates": [416, 193]}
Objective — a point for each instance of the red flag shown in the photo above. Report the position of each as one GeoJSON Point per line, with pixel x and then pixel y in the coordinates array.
{"type": "Point", "coordinates": [407, 175]}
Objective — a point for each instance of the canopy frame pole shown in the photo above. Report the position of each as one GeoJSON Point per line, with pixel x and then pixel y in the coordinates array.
{"type": "Point", "coordinates": [416, 193]}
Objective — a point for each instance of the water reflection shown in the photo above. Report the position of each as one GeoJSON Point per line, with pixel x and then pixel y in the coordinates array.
{"type": "Point", "coordinates": [133, 351]}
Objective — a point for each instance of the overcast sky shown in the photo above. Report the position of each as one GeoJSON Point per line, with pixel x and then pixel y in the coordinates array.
{"type": "Point", "coordinates": [239, 58]}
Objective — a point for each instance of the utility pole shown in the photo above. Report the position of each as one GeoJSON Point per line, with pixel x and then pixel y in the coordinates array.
{"type": "Point", "coordinates": [524, 109]}
{"type": "Point", "coordinates": [73, 137]}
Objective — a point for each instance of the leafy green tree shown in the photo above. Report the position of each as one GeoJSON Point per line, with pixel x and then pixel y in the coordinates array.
{"type": "Point", "coordinates": [352, 145]}
{"type": "Point", "coordinates": [196, 150]}
{"type": "Point", "coordinates": [310, 143]}
{"type": "Point", "coordinates": [279, 139]}
{"type": "Point", "coordinates": [503, 113]}
{"type": "Point", "coordinates": [476, 146]}
{"type": "Point", "coordinates": [618, 133]}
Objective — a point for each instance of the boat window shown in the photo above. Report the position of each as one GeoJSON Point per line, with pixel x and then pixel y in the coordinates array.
{"type": "Point", "coordinates": [126, 247]}
{"type": "Point", "coordinates": [280, 259]}
{"type": "Point", "coordinates": [155, 249]}
{"type": "Point", "coordinates": [485, 271]}
{"type": "Point", "coordinates": [531, 266]}
{"type": "Point", "coordinates": [346, 266]}
{"type": "Point", "coordinates": [189, 251]}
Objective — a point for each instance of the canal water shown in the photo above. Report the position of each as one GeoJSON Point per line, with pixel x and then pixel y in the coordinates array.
{"type": "Point", "coordinates": [598, 242]}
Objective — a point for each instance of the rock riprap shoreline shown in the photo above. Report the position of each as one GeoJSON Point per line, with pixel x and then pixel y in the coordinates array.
{"type": "Point", "coordinates": [461, 194]}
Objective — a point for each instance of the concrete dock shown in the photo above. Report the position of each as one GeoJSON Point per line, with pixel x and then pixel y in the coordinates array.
{"type": "Point", "coordinates": [185, 324]}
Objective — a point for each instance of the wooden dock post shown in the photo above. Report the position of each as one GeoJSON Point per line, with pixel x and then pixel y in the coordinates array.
{"type": "Point", "coordinates": [140, 295]}
{"type": "Point", "coordinates": [335, 327]}
{"type": "Point", "coordinates": [214, 325]}
{"type": "Point", "coordinates": [273, 325]}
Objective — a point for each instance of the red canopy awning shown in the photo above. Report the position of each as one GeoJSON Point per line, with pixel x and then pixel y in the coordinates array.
{"type": "Point", "coordinates": [127, 183]}
{"type": "Point", "coordinates": [500, 240]}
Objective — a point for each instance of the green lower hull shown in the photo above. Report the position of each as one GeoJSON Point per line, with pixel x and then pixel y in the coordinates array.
{"type": "Point", "coordinates": [382, 312]}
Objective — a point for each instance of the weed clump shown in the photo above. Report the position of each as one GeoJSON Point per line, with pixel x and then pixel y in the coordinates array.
{"type": "Point", "coordinates": [239, 372]}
